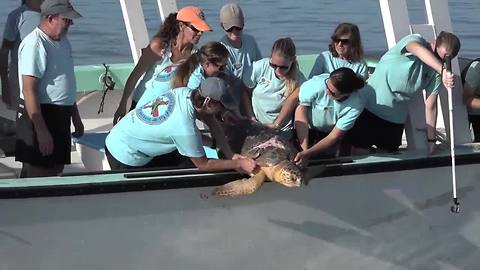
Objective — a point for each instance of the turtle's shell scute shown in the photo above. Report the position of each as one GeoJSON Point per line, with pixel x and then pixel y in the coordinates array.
{"type": "Point", "coordinates": [259, 142]}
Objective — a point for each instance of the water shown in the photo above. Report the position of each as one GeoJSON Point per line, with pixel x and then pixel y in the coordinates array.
{"type": "Point", "coordinates": [100, 36]}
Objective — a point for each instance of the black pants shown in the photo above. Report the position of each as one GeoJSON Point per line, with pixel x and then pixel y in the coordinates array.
{"type": "Point", "coordinates": [170, 160]}
{"type": "Point", "coordinates": [475, 122]}
{"type": "Point", "coordinates": [370, 130]}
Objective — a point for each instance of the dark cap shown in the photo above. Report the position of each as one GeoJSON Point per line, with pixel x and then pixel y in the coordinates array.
{"type": "Point", "coordinates": [217, 89]}
{"type": "Point", "coordinates": [59, 7]}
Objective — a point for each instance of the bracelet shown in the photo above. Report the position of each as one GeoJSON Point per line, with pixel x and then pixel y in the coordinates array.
{"type": "Point", "coordinates": [432, 140]}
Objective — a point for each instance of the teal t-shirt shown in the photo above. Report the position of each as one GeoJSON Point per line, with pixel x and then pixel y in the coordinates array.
{"type": "Point", "coordinates": [326, 63]}
{"type": "Point", "coordinates": [472, 78]}
{"type": "Point", "coordinates": [241, 58]}
{"type": "Point", "coordinates": [397, 77]}
{"type": "Point", "coordinates": [157, 127]}
{"type": "Point", "coordinates": [156, 78]}
{"type": "Point", "coordinates": [324, 113]}
{"type": "Point", "coordinates": [51, 62]}
{"type": "Point", "coordinates": [20, 22]}
{"type": "Point", "coordinates": [269, 92]}
{"type": "Point", "coordinates": [197, 77]}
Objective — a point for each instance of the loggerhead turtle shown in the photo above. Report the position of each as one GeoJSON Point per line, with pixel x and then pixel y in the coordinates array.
{"type": "Point", "coordinates": [272, 153]}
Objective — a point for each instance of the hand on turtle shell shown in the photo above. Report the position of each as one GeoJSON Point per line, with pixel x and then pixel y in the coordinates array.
{"type": "Point", "coordinates": [246, 165]}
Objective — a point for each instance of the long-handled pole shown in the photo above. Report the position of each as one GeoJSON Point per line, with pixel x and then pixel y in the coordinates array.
{"type": "Point", "coordinates": [456, 205]}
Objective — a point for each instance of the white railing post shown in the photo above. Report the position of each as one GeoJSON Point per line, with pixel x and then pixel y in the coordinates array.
{"type": "Point", "coordinates": [135, 25]}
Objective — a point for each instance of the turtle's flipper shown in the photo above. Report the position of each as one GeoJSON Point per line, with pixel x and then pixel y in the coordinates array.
{"type": "Point", "coordinates": [240, 187]}
{"type": "Point", "coordinates": [285, 173]}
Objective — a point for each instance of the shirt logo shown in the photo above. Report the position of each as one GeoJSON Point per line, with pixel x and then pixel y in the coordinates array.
{"type": "Point", "coordinates": [264, 81]}
{"type": "Point", "coordinates": [237, 66]}
{"type": "Point", "coordinates": [166, 74]}
{"type": "Point", "coordinates": [156, 111]}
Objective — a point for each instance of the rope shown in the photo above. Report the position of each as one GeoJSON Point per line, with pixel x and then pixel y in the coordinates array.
{"type": "Point", "coordinates": [108, 84]}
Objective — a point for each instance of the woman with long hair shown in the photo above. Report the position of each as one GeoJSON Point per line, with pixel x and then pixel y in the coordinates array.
{"type": "Point", "coordinates": [275, 82]}
{"type": "Point", "coordinates": [344, 50]}
{"type": "Point", "coordinates": [173, 43]}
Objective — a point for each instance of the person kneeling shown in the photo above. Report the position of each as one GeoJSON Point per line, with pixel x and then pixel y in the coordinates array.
{"type": "Point", "coordinates": [164, 127]}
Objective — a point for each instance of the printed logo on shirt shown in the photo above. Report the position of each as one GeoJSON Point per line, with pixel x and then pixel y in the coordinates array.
{"type": "Point", "coordinates": [166, 74]}
{"type": "Point", "coordinates": [156, 111]}
{"type": "Point", "coordinates": [265, 81]}
{"type": "Point", "coordinates": [237, 66]}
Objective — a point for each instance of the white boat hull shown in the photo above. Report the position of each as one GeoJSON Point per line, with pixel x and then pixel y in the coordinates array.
{"type": "Point", "coordinates": [390, 220]}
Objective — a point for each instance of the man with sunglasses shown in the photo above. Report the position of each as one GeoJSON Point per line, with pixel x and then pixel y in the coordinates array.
{"type": "Point", "coordinates": [48, 93]}
{"type": "Point", "coordinates": [412, 65]}
{"type": "Point", "coordinates": [242, 48]}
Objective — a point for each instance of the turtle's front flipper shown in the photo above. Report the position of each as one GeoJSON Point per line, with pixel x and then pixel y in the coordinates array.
{"type": "Point", "coordinates": [240, 187]}
{"type": "Point", "coordinates": [285, 173]}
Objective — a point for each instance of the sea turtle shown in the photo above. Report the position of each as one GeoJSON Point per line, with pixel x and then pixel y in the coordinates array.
{"type": "Point", "coordinates": [273, 154]}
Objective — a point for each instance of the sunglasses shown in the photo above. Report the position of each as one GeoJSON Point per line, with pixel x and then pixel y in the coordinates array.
{"type": "Point", "coordinates": [282, 68]}
{"type": "Point", "coordinates": [195, 30]}
{"type": "Point", "coordinates": [234, 28]}
{"type": "Point", "coordinates": [343, 40]}
{"type": "Point", "coordinates": [220, 67]}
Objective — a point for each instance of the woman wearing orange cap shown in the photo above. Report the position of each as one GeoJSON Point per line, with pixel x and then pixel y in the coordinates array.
{"type": "Point", "coordinates": [173, 43]}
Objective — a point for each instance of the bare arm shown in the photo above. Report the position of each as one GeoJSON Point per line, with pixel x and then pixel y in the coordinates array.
{"type": "Point", "coordinates": [427, 57]}
{"type": "Point", "coordinates": [217, 132]}
{"type": "Point", "coordinates": [469, 98]}
{"type": "Point", "coordinates": [287, 109]}
{"type": "Point", "coordinates": [149, 56]}
{"type": "Point", "coordinates": [301, 126]}
{"type": "Point", "coordinates": [32, 106]}
{"type": "Point", "coordinates": [332, 138]}
{"type": "Point", "coordinates": [4, 53]}
{"type": "Point", "coordinates": [431, 115]}
{"type": "Point", "coordinates": [243, 165]}
{"type": "Point", "coordinates": [247, 101]}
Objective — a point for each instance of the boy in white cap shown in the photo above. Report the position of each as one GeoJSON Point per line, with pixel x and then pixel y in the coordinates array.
{"type": "Point", "coordinates": [242, 48]}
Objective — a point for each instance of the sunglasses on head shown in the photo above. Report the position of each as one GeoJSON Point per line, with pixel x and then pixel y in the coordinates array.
{"type": "Point", "coordinates": [283, 68]}
{"type": "Point", "coordinates": [343, 40]}
{"type": "Point", "coordinates": [234, 28]}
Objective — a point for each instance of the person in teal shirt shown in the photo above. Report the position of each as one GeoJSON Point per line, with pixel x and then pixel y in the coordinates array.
{"type": "Point", "coordinates": [20, 22]}
{"type": "Point", "coordinates": [209, 61]}
{"type": "Point", "coordinates": [345, 50]}
{"type": "Point", "coordinates": [329, 106]}
{"type": "Point", "coordinates": [275, 82]}
{"type": "Point", "coordinates": [174, 42]}
{"type": "Point", "coordinates": [471, 96]}
{"type": "Point", "coordinates": [164, 127]}
{"type": "Point", "coordinates": [243, 49]}
{"type": "Point", "coordinates": [412, 65]}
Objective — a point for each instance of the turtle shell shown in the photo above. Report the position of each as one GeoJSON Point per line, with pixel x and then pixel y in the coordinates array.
{"type": "Point", "coordinates": [259, 142]}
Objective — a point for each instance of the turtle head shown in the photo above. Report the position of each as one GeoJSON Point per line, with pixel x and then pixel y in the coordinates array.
{"type": "Point", "coordinates": [287, 174]}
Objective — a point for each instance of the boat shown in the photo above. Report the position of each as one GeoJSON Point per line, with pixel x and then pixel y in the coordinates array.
{"type": "Point", "coordinates": [383, 211]}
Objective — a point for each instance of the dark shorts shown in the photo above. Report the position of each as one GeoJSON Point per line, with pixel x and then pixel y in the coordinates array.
{"type": "Point", "coordinates": [173, 159]}
{"type": "Point", "coordinates": [57, 118]}
{"type": "Point", "coordinates": [370, 130]}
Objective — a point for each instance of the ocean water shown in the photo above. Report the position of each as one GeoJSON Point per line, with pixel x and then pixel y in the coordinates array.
{"type": "Point", "coordinates": [100, 36]}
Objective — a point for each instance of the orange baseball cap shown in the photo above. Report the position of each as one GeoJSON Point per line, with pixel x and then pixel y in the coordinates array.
{"type": "Point", "coordinates": [195, 17]}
